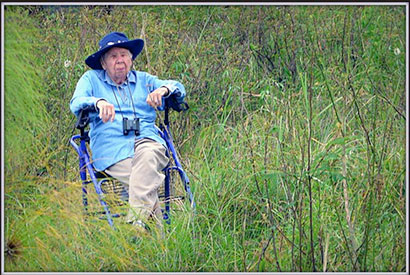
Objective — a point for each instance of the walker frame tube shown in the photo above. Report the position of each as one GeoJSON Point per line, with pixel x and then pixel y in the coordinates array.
{"type": "Point", "coordinates": [166, 135]}
{"type": "Point", "coordinates": [86, 166]}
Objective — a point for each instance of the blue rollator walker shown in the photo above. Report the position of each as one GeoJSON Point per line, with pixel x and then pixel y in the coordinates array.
{"type": "Point", "coordinates": [99, 178]}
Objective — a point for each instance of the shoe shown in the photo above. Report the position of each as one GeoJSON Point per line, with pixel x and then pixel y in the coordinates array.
{"type": "Point", "coordinates": [140, 226]}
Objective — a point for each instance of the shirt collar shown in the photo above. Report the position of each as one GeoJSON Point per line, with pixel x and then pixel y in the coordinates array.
{"type": "Point", "coordinates": [103, 75]}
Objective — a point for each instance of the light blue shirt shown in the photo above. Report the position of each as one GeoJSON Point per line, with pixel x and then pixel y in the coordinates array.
{"type": "Point", "coordinates": [107, 141]}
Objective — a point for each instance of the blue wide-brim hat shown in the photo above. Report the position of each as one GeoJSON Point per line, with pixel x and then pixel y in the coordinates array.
{"type": "Point", "coordinates": [114, 39]}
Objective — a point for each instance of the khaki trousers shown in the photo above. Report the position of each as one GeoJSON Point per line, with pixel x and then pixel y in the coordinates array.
{"type": "Point", "coordinates": [142, 176]}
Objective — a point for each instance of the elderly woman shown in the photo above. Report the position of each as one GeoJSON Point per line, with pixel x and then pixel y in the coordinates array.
{"type": "Point", "coordinates": [123, 138]}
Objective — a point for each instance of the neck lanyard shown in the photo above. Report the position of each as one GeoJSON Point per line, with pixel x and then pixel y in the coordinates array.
{"type": "Point", "coordinates": [132, 101]}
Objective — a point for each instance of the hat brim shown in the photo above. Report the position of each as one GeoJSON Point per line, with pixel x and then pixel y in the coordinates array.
{"type": "Point", "coordinates": [135, 46]}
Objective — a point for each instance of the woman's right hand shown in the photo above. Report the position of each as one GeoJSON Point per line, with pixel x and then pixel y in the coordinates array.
{"type": "Point", "coordinates": [106, 110]}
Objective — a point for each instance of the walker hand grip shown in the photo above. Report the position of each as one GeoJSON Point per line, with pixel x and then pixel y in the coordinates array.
{"type": "Point", "coordinates": [175, 104]}
{"type": "Point", "coordinates": [83, 118]}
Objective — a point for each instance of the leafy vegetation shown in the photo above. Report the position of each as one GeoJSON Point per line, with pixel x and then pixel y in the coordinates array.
{"type": "Point", "coordinates": [294, 141]}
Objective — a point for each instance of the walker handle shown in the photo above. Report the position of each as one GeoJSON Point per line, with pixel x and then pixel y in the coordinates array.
{"type": "Point", "coordinates": [83, 118]}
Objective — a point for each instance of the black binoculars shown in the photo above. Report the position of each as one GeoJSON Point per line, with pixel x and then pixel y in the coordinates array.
{"type": "Point", "coordinates": [130, 125]}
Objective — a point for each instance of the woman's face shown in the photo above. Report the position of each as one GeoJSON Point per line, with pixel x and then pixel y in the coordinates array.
{"type": "Point", "coordinates": [117, 62]}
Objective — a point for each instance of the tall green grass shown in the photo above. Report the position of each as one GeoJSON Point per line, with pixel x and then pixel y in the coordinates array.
{"type": "Point", "coordinates": [294, 141]}
{"type": "Point", "coordinates": [26, 116]}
